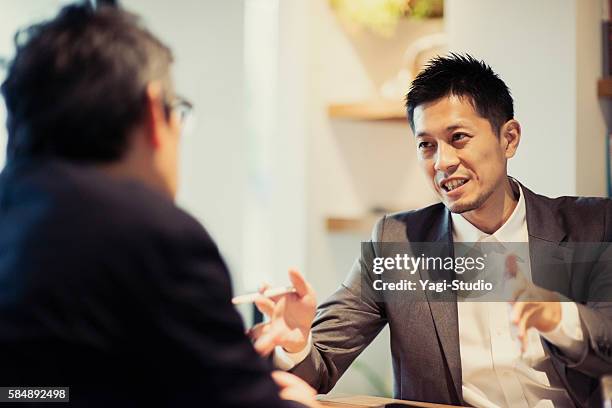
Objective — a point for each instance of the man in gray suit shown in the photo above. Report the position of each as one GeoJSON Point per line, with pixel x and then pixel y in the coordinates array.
{"type": "Point", "coordinates": [461, 114]}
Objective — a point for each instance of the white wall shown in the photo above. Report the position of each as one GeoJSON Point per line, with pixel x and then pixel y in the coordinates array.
{"type": "Point", "coordinates": [207, 39]}
{"type": "Point", "coordinates": [547, 52]}
{"type": "Point", "coordinates": [591, 112]}
{"type": "Point", "coordinates": [277, 130]}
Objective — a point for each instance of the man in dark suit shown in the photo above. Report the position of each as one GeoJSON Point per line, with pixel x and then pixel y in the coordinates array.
{"type": "Point", "coordinates": [464, 352]}
{"type": "Point", "coordinates": [106, 286]}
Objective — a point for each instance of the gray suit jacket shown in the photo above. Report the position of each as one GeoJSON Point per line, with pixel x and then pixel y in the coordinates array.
{"type": "Point", "coordinates": [424, 334]}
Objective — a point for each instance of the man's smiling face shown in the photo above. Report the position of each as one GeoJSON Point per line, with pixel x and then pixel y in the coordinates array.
{"type": "Point", "coordinates": [462, 157]}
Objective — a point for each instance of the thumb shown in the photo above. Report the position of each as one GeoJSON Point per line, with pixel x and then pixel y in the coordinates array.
{"type": "Point", "coordinates": [511, 266]}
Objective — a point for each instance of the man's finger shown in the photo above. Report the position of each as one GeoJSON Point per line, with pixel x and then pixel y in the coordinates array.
{"type": "Point", "coordinates": [517, 312]}
{"type": "Point", "coordinates": [299, 283]}
{"type": "Point", "coordinates": [521, 306]}
{"type": "Point", "coordinates": [282, 378]}
{"type": "Point", "coordinates": [264, 286]}
{"type": "Point", "coordinates": [264, 346]}
{"type": "Point", "coordinates": [524, 325]}
{"type": "Point", "coordinates": [285, 379]}
{"type": "Point", "coordinates": [265, 305]}
{"type": "Point", "coordinates": [256, 331]}
{"type": "Point", "coordinates": [518, 292]}
{"type": "Point", "coordinates": [268, 340]}
{"type": "Point", "coordinates": [279, 309]}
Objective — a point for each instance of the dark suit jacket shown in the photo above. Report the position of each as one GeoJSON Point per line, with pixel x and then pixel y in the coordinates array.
{"type": "Point", "coordinates": [424, 334]}
{"type": "Point", "coordinates": [109, 288]}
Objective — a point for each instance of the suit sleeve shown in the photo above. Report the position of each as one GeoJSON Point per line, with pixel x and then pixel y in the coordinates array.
{"type": "Point", "coordinates": [201, 338]}
{"type": "Point", "coordinates": [346, 323]}
{"type": "Point", "coordinates": [595, 312]}
{"type": "Point", "coordinates": [596, 321]}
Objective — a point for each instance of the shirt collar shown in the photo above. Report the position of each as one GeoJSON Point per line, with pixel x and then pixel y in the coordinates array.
{"type": "Point", "coordinates": [510, 231]}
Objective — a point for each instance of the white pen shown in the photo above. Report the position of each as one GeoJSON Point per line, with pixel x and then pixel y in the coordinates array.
{"type": "Point", "coordinates": [251, 297]}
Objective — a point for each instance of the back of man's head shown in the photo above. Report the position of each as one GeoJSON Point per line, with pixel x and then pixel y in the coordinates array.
{"type": "Point", "coordinates": [76, 87]}
{"type": "Point", "coordinates": [465, 77]}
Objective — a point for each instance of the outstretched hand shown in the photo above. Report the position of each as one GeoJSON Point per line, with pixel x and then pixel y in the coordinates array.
{"type": "Point", "coordinates": [290, 318]}
{"type": "Point", "coordinates": [532, 306]}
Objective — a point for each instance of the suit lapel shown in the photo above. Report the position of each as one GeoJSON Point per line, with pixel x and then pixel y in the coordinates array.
{"type": "Point", "coordinates": [444, 311]}
{"type": "Point", "coordinates": [550, 261]}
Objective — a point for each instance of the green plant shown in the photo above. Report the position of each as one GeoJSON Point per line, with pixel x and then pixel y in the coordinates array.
{"type": "Point", "coordinates": [426, 8]}
{"type": "Point", "coordinates": [382, 16]}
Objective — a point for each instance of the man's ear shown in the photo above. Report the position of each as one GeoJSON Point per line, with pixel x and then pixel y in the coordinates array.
{"type": "Point", "coordinates": [510, 133]}
{"type": "Point", "coordinates": [155, 113]}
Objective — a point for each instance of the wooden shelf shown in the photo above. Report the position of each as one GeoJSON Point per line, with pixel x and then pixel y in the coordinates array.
{"type": "Point", "coordinates": [358, 224]}
{"type": "Point", "coordinates": [604, 87]}
{"type": "Point", "coordinates": [366, 222]}
{"type": "Point", "coordinates": [376, 110]}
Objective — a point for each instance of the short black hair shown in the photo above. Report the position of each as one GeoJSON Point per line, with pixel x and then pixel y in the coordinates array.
{"type": "Point", "coordinates": [76, 86]}
{"type": "Point", "coordinates": [464, 76]}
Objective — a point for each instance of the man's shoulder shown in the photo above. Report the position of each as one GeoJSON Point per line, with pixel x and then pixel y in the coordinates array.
{"type": "Point", "coordinates": [433, 210]}
{"type": "Point", "coordinates": [63, 223]}
{"type": "Point", "coordinates": [573, 204]}
{"type": "Point", "coordinates": [86, 203]}
{"type": "Point", "coordinates": [581, 218]}
{"type": "Point", "coordinates": [418, 224]}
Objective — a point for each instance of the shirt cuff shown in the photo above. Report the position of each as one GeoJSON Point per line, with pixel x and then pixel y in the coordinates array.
{"type": "Point", "coordinates": [284, 360]}
{"type": "Point", "coordinates": [568, 335]}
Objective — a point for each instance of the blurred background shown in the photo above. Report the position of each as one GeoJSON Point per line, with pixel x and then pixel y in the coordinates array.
{"type": "Point", "coordinates": [300, 140]}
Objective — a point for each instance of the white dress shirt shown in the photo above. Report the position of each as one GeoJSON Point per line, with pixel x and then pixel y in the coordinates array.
{"type": "Point", "coordinates": [494, 372]}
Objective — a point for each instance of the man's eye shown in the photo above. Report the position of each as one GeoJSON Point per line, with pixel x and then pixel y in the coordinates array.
{"type": "Point", "coordinates": [459, 136]}
{"type": "Point", "coordinates": [424, 145]}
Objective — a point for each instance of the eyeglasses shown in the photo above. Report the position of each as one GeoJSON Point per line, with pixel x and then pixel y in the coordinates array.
{"type": "Point", "coordinates": [180, 105]}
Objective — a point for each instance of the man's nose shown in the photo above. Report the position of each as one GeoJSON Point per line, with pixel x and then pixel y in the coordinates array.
{"type": "Point", "coordinates": [446, 158]}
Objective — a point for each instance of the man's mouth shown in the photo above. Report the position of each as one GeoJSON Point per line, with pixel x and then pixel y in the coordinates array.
{"type": "Point", "coordinates": [451, 185]}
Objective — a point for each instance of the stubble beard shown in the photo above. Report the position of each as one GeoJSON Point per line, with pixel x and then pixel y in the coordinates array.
{"type": "Point", "coordinates": [459, 208]}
